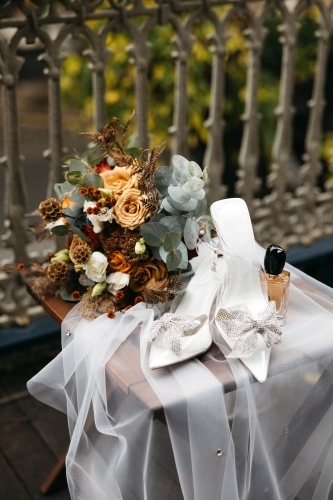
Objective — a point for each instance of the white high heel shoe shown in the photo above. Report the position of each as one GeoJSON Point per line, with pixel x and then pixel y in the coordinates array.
{"type": "Point", "coordinates": [244, 318]}
{"type": "Point", "coordinates": [185, 334]}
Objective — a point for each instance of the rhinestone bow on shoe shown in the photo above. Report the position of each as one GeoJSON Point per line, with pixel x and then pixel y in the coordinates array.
{"type": "Point", "coordinates": [175, 327]}
{"type": "Point", "coordinates": [238, 324]}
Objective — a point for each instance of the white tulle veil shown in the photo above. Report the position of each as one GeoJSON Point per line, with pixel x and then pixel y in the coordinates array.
{"type": "Point", "coordinates": [241, 441]}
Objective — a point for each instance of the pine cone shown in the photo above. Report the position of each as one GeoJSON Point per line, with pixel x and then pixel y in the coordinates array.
{"type": "Point", "coordinates": [57, 271]}
{"type": "Point", "coordinates": [50, 210]}
{"type": "Point", "coordinates": [81, 254]}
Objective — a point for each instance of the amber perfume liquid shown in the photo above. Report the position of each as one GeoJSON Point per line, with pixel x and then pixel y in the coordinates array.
{"type": "Point", "coordinates": [278, 290]}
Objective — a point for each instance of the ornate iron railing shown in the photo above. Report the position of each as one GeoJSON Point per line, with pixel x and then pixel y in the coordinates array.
{"type": "Point", "coordinates": [280, 215]}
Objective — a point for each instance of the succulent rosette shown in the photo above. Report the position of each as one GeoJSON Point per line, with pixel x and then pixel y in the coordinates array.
{"type": "Point", "coordinates": [129, 224]}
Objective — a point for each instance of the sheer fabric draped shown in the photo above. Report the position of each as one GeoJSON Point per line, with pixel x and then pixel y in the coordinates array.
{"type": "Point", "coordinates": [269, 441]}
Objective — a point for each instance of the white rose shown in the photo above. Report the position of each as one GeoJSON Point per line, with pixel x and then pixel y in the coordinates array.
{"type": "Point", "coordinates": [105, 214]}
{"type": "Point", "coordinates": [51, 225]}
{"type": "Point", "coordinates": [117, 281]}
{"type": "Point", "coordinates": [96, 267]}
{"type": "Point", "coordinates": [97, 224]}
{"type": "Point", "coordinates": [88, 204]}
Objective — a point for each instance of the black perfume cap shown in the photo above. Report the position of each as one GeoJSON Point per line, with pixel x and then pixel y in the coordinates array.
{"type": "Point", "coordinates": [275, 259]}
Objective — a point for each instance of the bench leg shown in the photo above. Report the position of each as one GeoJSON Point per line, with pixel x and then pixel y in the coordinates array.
{"type": "Point", "coordinates": [56, 480]}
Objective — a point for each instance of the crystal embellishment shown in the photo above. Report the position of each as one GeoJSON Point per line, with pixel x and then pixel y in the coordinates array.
{"type": "Point", "coordinates": [239, 325]}
{"type": "Point", "coordinates": [175, 327]}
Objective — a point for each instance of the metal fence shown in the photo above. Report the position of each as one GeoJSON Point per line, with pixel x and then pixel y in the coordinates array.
{"type": "Point", "coordinates": [280, 215]}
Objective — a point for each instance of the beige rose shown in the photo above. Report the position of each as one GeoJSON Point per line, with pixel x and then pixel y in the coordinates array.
{"type": "Point", "coordinates": [146, 273]}
{"type": "Point", "coordinates": [129, 210]}
{"type": "Point", "coordinates": [119, 179]}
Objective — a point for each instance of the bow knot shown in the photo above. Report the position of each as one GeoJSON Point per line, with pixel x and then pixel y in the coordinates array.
{"type": "Point", "coordinates": [239, 325]}
{"type": "Point", "coordinates": [175, 327]}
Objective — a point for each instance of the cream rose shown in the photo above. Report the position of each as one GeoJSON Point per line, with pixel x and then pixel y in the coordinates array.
{"type": "Point", "coordinates": [129, 210]}
{"type": "Point", "coordinates": [95, 268]}
{"type": "Point", "coordinates": [117, 281]}
{"type": "Point", "coordinates": [146, 273]}
{"type": "Point", "coordinates": [119, 179]}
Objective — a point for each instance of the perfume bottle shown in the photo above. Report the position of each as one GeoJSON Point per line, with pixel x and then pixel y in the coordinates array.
{"type": "Point", "coordinates": [278, 280]}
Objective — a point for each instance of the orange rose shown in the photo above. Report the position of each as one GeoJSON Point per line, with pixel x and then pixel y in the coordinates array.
{"type": "Point", "coordinates": [119, 179]}
{"type": "Point", "coordinates": [146, 273]}
{"type": "Point", "coordinates": [118, 262]}
{"type": "Point", "coordinates": [129, 210]}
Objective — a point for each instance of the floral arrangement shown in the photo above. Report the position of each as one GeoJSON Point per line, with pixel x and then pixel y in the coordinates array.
{"type": "Point", "coordinates": [129, 226]}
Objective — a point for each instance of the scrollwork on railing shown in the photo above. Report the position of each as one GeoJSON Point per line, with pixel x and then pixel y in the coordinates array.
{"type": "Point", "coordinates": [283, 215]}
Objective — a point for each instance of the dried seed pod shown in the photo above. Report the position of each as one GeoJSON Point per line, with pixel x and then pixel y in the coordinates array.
{"type": "Point", "coordinates": [81, 254]}
{"type": "Point", "coordinates": [57, 271]}
{"type": "Point", "coordinates": [50, 210]}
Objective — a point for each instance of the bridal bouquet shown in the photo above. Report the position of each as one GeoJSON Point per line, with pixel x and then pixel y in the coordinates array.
{"type": "Point", "coordinates": [129, 226]}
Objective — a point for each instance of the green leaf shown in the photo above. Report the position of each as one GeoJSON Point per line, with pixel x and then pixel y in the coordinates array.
{"type": "Point", "coordinates": [173, 260]}
{"type": "Point", "coordinates": [66, 296]}
{"type": "Point", "coordinates": [194, 169]}
{"type": "Point", "coordinates": [74, 177]}
{"type": "Point", "coordinates": [184, 262]}
{"type": "Point", "coordinates": [76, 164]}
{"type": "Point", "coordinates": [183, 207]}
{"type": "Point", "coordinates": [178, 195]}
{"type": "Point", "coordinates": [171, 241]}
{"type": "Point", "coordinates": [134, 151]}
{"type": "Point", "coordinates": [174, 223]}
{"type": "Point", "coordinates": [94, 180]}
{"type": "Point", "coordinates": [65, 159]}
{"type": "Point", "coordinates": [78, 231]}
{"type": "Point", "coordinates": [60, 230]}
{"type": "Point", "coordinates": [154, 233]}
{"type": "Point", "coordinates": [191, 233]}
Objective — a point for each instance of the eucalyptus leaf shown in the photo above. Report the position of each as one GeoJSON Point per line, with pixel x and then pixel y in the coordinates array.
{"type": "Point", "coordinates": [67, 296]}
{"type": "Point", "coordinates": [178, 195]}
{"type": "Point", "coordinates": [191, 233]}
{"type": "Point", "coordinates": [79, 233]}
{"type": "Point", "coordinates": [180, 168]}
{"type": "Point", "coordinates": [76, 164]}
{"type": "Point", "coordinates": [168, 208]}
{"type": "Point", "coordinates": [183, 207]}
{"type": "Point", "coordinates": [74, 177]}
{"type": "Point", "coordinates": [60, 230]}
{"type": "Point", "coordinates": [201, 209]}
{"type": "Point", "coordinates": [163, 254]}
{"type": "Point", "coordinates": [184, 262]}
{"type": "Point", "coordinates": [157, 218]}
{"type": "Point", "coordinates": [94, 180]}
{"type": "Point", "coordinates": [171, 241]}
{"type": "Point", "coordinates": [156, 252]}
{"type": "Point", "coordinates": [173, 260]}
{"type": "Point", "coordinates": [194, 169]}
{"type": "Point", "coordinates": [163, 179]}
{"type": "Point", "coordinates": [198, 195]}
{"type": "Point", "coordinates": [174, 223]}
{"type": "Point", "coordinates": [153, 233]}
